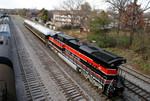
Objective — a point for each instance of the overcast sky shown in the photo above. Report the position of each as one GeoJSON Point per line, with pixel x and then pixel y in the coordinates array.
{"type": "Point", "coordinates": [39, 4]}
{"type": "Point", "coordinates": [48, 4]}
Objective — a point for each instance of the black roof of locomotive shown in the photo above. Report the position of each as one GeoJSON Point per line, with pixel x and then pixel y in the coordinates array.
{"type": "Point", "coordinates": [98, 55]}
{"type": "Point", "coordinates": [67, 37]}
{"type": "Point", "coordinates": [88, 48]}
{"type": "Point", "coordinates": [104, 55]}
{"type": "Point", "coordinates": [77, 43]}
{"type": "Point", "coordinates": [101, 56]}
{"type": "Point", "coordinates": [109, 58]}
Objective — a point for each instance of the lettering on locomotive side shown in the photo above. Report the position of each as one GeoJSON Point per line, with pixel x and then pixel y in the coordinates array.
{"type": "Point", "coordinates": [73, 55]}
{"type": "Point", "coordinates": [77, 58]}
{"type": "Point", "coordinates": [67, 51]}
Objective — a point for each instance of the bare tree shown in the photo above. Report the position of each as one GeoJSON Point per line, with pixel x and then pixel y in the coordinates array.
{"type": "Point", "coordinates": [135, 18]}
{"type": "Point", "coordinates": [85, 13]}
{"type": "Point", "coordinates": [113, 13]}
{"type": "Point", "coordinates": [147, 20]}
{"type": "Point", "coordinates": [74, 7]}
{"type": "Point", "coordinates": [119, 5]}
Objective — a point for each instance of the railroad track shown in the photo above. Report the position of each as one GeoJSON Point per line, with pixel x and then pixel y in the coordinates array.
{"type": "Point", "coordinates": [102, 97]}
{"type": "Point", "coordinates": [137, 90]}
{"type": "Point", "coordinates": [136, 74]}
{"type": "Point", "coordinates": [70, 89]}
{"type": "Point", "coordinates": [133, 87]}
{"type": "Point", "coordinates": [35, 89]}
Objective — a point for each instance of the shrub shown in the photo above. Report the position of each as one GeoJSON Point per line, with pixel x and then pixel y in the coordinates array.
{"type": "Point", "coordinates": [109, 42]}
{"type": "Point", "coordinates": [123, 41]}
{"type": "Point", "coordinates": [92, 36]}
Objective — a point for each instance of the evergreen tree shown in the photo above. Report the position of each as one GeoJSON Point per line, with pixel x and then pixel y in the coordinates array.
{"type": "Point", "coordinates": [43, 14]}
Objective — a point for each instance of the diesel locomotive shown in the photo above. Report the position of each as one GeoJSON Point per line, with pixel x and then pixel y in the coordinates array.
{"type": "Point", "coordinates": [7, 78]}
{"type": "Point", "coordinates": [96, 64]}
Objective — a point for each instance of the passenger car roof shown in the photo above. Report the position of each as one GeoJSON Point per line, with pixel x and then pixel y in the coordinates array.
{"type": "Point", "coordinates": [44, 30]}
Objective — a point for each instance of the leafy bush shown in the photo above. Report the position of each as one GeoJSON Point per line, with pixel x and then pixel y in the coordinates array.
{"type": "Point", "coordinates": [90, 37]}
{"type": "Point", "coordinates": [141, 46]}
{"type": "Point", "coordinates": [123, 41]}
{"type": "Point", "coordinates": [109, 42]}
